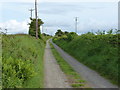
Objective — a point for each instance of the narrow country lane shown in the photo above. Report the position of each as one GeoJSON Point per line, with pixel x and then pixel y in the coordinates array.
{"type": "Point", "coordinates": [92, 77]}
{"type": "Point", "coordinates": [54, 77]}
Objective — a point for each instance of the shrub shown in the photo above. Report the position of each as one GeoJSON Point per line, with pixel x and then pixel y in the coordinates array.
{"type": "Point", "coordinates": [15, 72]}
{"type": "Point", "coordinates": [71, 36]}
{"type": "Point", "coordinates": [22, 57]}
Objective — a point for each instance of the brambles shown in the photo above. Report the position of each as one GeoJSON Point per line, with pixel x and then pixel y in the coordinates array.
{"type": "Point", "coordinates": [16, 72]}
{"type": "Point", "coordinates": [22, 61]}
{"type": "Point", "coordinates": [0, 72]}
{"type": "Point", "coordinates": [71, 36]}
{"type": "Point", "coordinates": [65, 35]}
{"type": "Point", "coordinates": [99, 52]}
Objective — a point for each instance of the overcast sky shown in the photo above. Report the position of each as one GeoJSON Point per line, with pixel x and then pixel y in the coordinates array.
{"type": "Point", "coordinates": [59, 14]}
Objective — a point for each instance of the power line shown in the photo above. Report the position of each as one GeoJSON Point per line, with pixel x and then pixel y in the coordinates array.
{"type": "Point", "coordinates": [76, 20]}
{"type": "Point", "coordinates": [31, 10]}
{"type": "Point", "coordinates": [36, 19]}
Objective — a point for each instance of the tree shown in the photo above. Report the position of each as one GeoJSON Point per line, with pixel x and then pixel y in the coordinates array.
{"type": "Point", "coordinates": [59, 33]}
{"type": "Point", "coordinates": [100, 32]}
{"type": "Point", "coordinates": [32, 27]}
{"type": "Point", "coordinates": [117, 31]}
{"type": "Point", "coordinates": [71, 36]}
{"type": "Point", "coordinates": [66, 33]}
{"type": "Point", "coordinates": [110, 31]}
{"type": "Point", "coordinates": [90, 33]}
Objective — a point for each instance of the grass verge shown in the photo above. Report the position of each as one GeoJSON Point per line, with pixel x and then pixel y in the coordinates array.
{"type": "Point", "coordinates": [73, 77]}
{"type": "Point", "coordinates": [22, 57]}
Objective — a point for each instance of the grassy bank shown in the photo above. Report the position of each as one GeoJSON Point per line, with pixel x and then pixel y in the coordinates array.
{"type": "Point", "coordinates": [73, 77]}
{"type": "Point", "coordinates": [99, 52]}
{"type": "Point", "coordinates": [22, 61]}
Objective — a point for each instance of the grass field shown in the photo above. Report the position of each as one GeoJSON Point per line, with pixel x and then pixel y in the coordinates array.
{"type": "Point", "coordinates": [99, 52]}
{"type": "Point", "coordinates": [22, 57]}
{"type": "Point", "coordinates": [73, 77]}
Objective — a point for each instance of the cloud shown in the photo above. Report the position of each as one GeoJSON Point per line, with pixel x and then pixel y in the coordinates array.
{"type": "Point", "coordinates": [14, 26]}
{"type": "Point", "coordinates": [64, 8]}
{"type": "Point", "coordinates": [94, 25]}
{"type": "Point", "coordinates": [92, 16]}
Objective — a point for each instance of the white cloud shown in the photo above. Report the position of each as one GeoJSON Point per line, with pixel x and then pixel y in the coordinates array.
{"type": "Point", "coordinates": [94, 25]}
{"type": "Point", "coordinates": [14, 26]}
{"type": "Point", "coordinates": [61, 16]}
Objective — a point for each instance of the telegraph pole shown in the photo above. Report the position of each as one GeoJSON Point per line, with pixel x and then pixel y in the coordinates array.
{"type": "Point", "coordinates": [42, 28]}
{"type": "Point", "coordinates": [76, 20]}
{"type": "Point", "coordinates": [6, 31]}
{"type": "Point", "coordinates": [31, 10]}
{"type": "Point", "coordinates": [36, 19]}
{"type": "Point", "coordinates": [0, 28]}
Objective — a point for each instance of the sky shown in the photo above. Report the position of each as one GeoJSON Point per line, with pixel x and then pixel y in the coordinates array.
{"type": "Point", "coordinates": [93, 15]}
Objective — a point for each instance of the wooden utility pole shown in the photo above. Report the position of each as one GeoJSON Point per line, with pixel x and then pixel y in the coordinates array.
{"type": "Point", "coordinates": [76, 20]}
{"type": "Point", "coordinates": [42, 28]}
{"type": "Point", "coordinates": [31, 10]}
{"type": "Point", "coordinates": [36, 19]}
{"type": "Point", "coordinates": [6, 31]}
{"type": "Point", "coordinates": [0, 28]}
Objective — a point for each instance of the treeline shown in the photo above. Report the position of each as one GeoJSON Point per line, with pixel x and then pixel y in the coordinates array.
{"type": "Point", "coordinates": [32, 28]}
{"type": "Point", "coordinates": [98, 51]}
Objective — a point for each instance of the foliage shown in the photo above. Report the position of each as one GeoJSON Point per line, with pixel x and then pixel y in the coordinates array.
{"type": "Point", "coordinates": [66, 33]}
{"type": "Point", "coordinates": [45, 37]}
{"type": "Point", "coordinates": [110, 31]}
{"type": "Point", "coordinates": [44, 34]}
{"type": "Point", "coordinates": [32, 27]}
{"type": "Point", "coordinates": [99, 52]}
{"type": "Point", "coordinates": [22, 57]}
{"type": "Point", "coordinates": [90, 33]}
{"type": "Point", "coordinates": [68, 36]}
{"type": "Point", "coordinates": [59, 33]}
{"type": "Point", "coordinates": [16, 72]}
{"type": "Point", "coordinates": [71, 36]}
{"type": "Point", "coordinates": [0, 71]}
{"type": "Point", "coordinates": [100, 32]}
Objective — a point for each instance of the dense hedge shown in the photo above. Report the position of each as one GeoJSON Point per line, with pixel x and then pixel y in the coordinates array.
{"type": "Point", "coordinates": [22, 60]}
{"type": "Point", "coordinates": [99, 52]}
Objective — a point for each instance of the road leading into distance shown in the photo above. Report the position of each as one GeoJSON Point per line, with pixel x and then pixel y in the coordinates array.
{"type": "Point", "coordinates": [93, 78]}
{"type": "Point", "coordinates": [54, 77]}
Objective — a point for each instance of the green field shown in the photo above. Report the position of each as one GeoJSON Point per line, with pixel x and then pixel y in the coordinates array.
{"type": "Point", "coordinates": [22, 61]}
{"type": "Point", "coordinates": [99, 52]}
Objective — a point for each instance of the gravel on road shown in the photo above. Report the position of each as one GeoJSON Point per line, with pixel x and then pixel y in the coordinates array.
{"type": "Point", "coordinates": [54, 77]}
